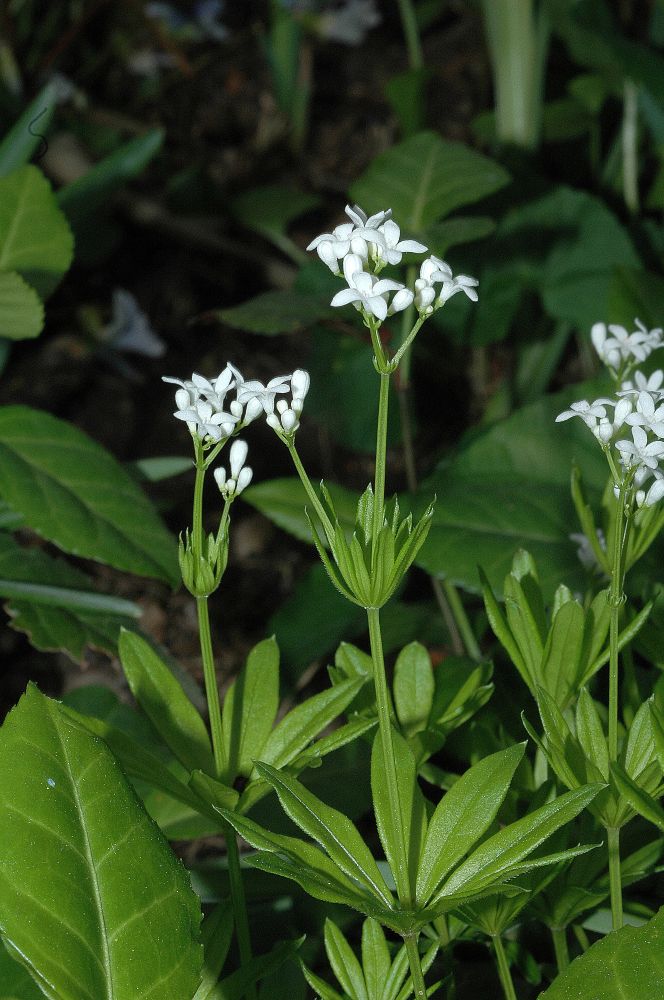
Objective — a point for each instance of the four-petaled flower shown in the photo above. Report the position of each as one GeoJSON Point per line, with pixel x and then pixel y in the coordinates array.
{"type": "Point", "coordinates": [368, 292]}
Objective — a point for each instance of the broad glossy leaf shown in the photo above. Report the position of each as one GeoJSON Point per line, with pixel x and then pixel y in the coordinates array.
{"type": "Point", "coordinates": [74, 493]}
{"type": "Point", "coordinates": [404, 821]}
{"type": "Point", "coordinates": [276, 312]}
{"type": "Point", "coordinates": [441, 236]}
{"type": "Point", "coordinates": [425, 178]}
{"type": "Point", "coordinates": [163, 700]}
{"type": "Point", "coordinates": [333, 831]}
{"type": "Point", "coordinates": [16, 983]}
{"type": "Point", "coordinates": [509, 489]}
{"type": "Point", "coordinates": [284, 501]}
{"type": "Point", "coordinates": [499, 856]}
{"type": "Point", "coordinates": [344, 963]}
{"type": "Point", "coordinates": [35, 239]}
{"type": "Point", "coordinates": [21, 310]}
{"type": "Point", "coordinates": [413, 687]}
{"type": "Point", "coordinates": [26, 135]}
{"type": "Point", "coordinates": [463, 815]}
{"type": "Point", "coordinates": [106, 887]}
{"type": "Point", "coordinates": [250, 708]}
{"type": "Point", "coordinates": [51, 601]}
{"type": "Point", "coordinates": [627, 964]}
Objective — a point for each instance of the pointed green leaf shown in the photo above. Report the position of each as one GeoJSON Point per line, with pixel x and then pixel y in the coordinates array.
{"type": "Point", "coordinates": [640, 749]}
{"type": "Point", "coordinates": [628, 633]}
{"type": "Point", "coordinates": [524, 627]}
{"type": "Point", "coordinates": [376, 960]}
{"type": "Point", "coordinates": [106, 888]}
{"type": "Point", "coordinates": [216, 935]}
{"type": "Point", "coordinates": [463, 815]}
{"type": "Point", "coordinates": [501, 629]}
{"type": "Point", "coordinates": [304, 722]}
{"type": "Point", "coordinates": [344, 963]}
{"type": "Point", "coordinates": [334, 832]}
{"type": "Point", "coordinates": [497, 856]}
{"type": "Point", "coordinates": [638, 798]}
{"type": "Point", "coordinates": [562, 653]}
{"type": "Point", "coordinates": [163, 700]}
{"type": "Point", "coordinates": [657, 721]}
{"type": "Point", "coordinates": [409, 825]}
{"type": "Point", "coordinates": [21, 141]}
{"type": "Point", "coordinates": [74, 493]}
{"type": "Point", "coordinates": [235, 986]}
{"type": "Point", "coordinates": [413, 687]}
{"type": "Point", "coordinates": [250, 708]}
{"type": "Point", "coordinates": [21, 309]}
{"type": "Point", "coordinates": [590, 733]}
{"type": "Point", "coordinates": [319, 986]}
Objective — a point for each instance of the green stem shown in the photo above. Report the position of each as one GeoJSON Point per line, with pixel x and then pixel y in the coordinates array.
{"type": "Point", "coordinates": [415, 964]}
{"type": "Point", "coordinates": [615, 880]}
{"type": "Point", "coordinates": [411, 34]}
{"type": "Point", "coordinates": [311, 493]}
{"type": "Point", "coordinates": [504, 969]}
{"type": "Point", "coordinates": [616, 598]}
{"type": "Point", "coordinates": [381, 450]}
{"type": "Point", "coordinates": [214, 712]}
{"type": "Point", "coordinates": [461, 619]}
{"type": "Point", "coordinates": [559, 935]}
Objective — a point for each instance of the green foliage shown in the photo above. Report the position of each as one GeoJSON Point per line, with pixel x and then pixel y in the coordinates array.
{"type": "Point", "coordinates": [106, 885]}
{"type": "Point", "coordinates": [74, 493]}
{"type": "Point", "coordinates": [626, 964]}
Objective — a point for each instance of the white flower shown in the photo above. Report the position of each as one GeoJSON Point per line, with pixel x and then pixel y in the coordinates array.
{"type": "Point", "coordinates": [350, 237]}
{"type": "Point", "coordinates": [651, 383]}
{"type": "Point", "coordinates": [200, 404]}
{"type": "Point", "coordinates": [368, 292]}
{"type": "Point", "coordinates": [241, 474]}
{"type": "Point", "coordinates": [639, 452]}
{"type": "Point", "coordinates": [622, 346]}
{"type": "Point", "coordinates": [654, 494]}
{"type": "Point", "coordinates": [432, 271]}
{"type": "Point", "coordinates": [647, 414]}
{"type": "Point", "coordinates": [350, 23]}
{"type": "Point", "coordinates": [285, 420]}
{"type": "Point", "coordinates": [250, 391]}
{"type": "Point", "coordinates": [394, 247]}
{"type": "Point", "coordinates": [590, 413]}
{"type": "Point", "coordinates": [359, 218]}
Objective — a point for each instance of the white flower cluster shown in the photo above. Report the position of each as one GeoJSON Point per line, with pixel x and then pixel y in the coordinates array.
{"type": "Point", "coordinates": [639, 408]}
{"type": "Point", "coordinates": [212, 418]}
{"type": "Point", "coordinates": [361, 248]}
{"type": "Point", "coordinates": [619, 349]}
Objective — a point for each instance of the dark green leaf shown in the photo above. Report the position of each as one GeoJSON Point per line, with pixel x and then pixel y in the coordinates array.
{"type": "Point", "coordinates": [16, 983]}
{"type": "Point", "coordinates": [235, 987]}
{"type": "Point", "coordinates": [35, 239]}
{"type": "Point", "coordinates": [627, 964]}
{"type": "Point", "coordinates": [333, 831]}
{"type": "Point", "coordinates": [638, 798]}
{"type": "Point", "coordinates": [344, 963]}
{"type": "Point", "coordinates": [413, 687]}
{"type": "Point", "coordinates": [250, 708]}
{"type": "Point", "coordinates": [284, 502]}
{"type": "Point", "coordinates": [216, 934]}
{"type": "Point", "coordinates": [25, 136]}
{"type": "Point", "coordinates": [161, 697]}
{"type": "Point", "coordinates": [277, 312]}
{"type": "Point", "coordinates": [73, 492]}
{"type": "Point", "coordinates": [463, 815]}
{"type": "Point", "coordinates": [106, 888]}
{"type": "Point", "coordinates": [21, 310]}
{"type": "Point", "coordinates": [442, 236]}
{"type": "Point", "coordinates": [425, 178]}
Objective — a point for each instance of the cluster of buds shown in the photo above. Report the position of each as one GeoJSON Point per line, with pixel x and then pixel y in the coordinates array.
{"type": "Point", "coordinates": [637, 409]}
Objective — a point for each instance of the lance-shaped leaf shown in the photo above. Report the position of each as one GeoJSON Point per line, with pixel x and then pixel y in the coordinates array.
{"type": "Point", "coordinates": [235, 986]}
{"type": "Point", "coordinates": [414, 687]}
{"type": "Point", "coordinates": [590, 733]}
{"type": "Point", "coordinates": [250, 708]}
{"type": "Point", "coordinates": [87, 883]}
{"type": "Point", "coordinates": [562, 652]}
{"type": "Point", "coordinates": [163, 700]}
{"type": "Point", "coordinates": [500, 856]}
{"type": "Point", "coordinates": [463, 815]}
{"type": "Point", "coordinates": [322, 989]}
{"type": "Point", "coordinates": [74, 493]}
{"type": "Point", "coordinates": [637, 797]}
{"type": "Point", "coordinates": [401, 825]}
{"type": "Point", "coordinates": [216, 935]}
{"type": "Point", "coordinates": [300, 861]}
{"type": "Point", "coordinates": [376, 960]}
{"type": "Point", "coordinates": [337, 834]}
{"type": "Point", "coordinates": [640, 750]}
{"type": "Point", "coordinates": [344, 962]}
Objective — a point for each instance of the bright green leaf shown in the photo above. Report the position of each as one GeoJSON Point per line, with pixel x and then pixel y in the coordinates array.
{"type": "Point", "coordinates": [413, 687]}
{"type": "Point", "coordinates": [74, 493]}
{"type": "Point", "coordinates": [106, 888]}
{"type": "Point", "coordinates": [250, 708]}
{"type": "Point", "coordinates": [376, 960]}
{"type": "Point", "coordinates": [344, 963]}
{"type": "Point", "coordinates": [21, 310]}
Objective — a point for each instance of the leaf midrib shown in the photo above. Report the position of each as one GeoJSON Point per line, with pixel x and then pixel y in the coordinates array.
{"type": "Point", "coordinates": [105, 956]}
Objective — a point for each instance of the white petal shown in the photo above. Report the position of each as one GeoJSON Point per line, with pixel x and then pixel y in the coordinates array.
{"type": "Point", "coordinates": [289, 421]}
{"type": "Point", "coordinates": [378, 306]}
{"type": "Point", "coordinates": [345, 296]}
{"type": "Point", "coordinates": [238, 456]}
{"type": "Point", "coordinates": [220, 476]}
{"type": "Point", "coordinates": [244, 478]}
{"type": "Point", "coordinates": [411, 246]}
